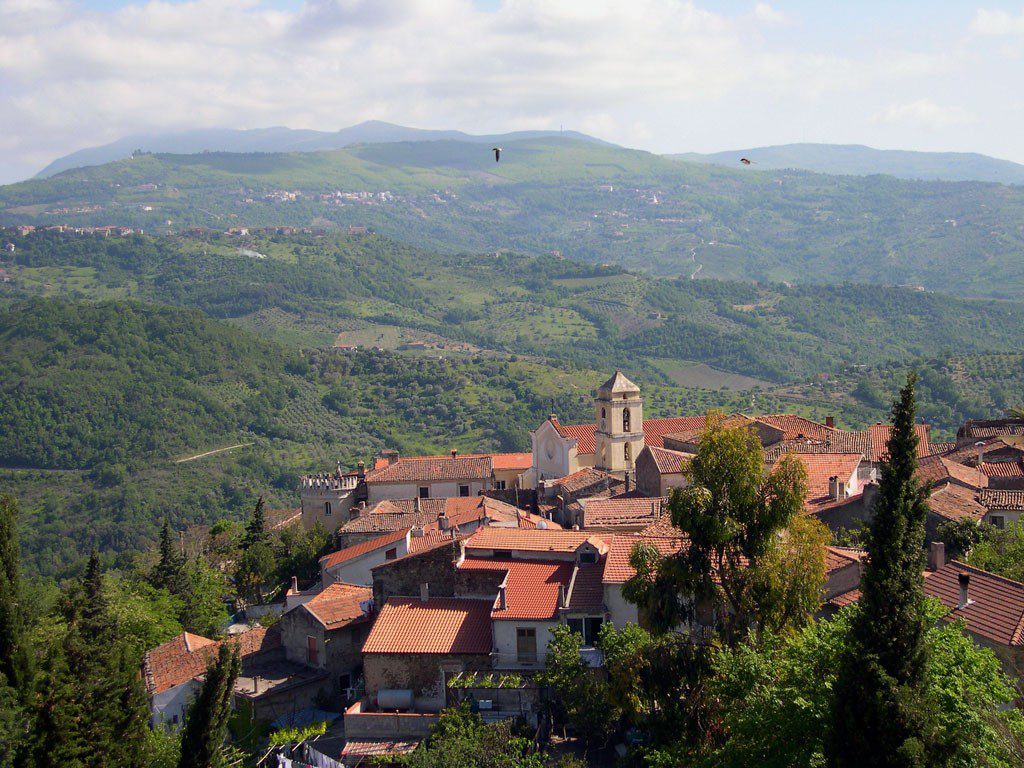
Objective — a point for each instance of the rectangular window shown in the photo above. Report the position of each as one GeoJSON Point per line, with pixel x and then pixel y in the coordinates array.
{"type": "Point", "coordinates": [588, 627]}
{"type": "Point", "coordinates": [526, 644]}
{"type": "Point", "coordinates": [999, 521]}
{"type": "Point", "coordinates": [588, 557]}
{"type": "Point", "coordinates": [463, 490]}
{"type": "Point", "coordinates": [503, 554]}
{"type": "Point", "coordinates": [424, 492]}
{"type": "Point", "coordinates": [391, 554]}
{"type": "Point", "coordinates": [500, 485]}
{"type": "Point", "coordinates": [311, 651]}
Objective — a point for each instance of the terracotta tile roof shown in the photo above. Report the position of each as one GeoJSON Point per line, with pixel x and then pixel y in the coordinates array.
{"type": "Point", "coordinates": [1007, 501]}
{"type": "Point", "coordinates": [669, 462]}
{"type": "Point", "coordinates": [996, 610]}
{"type": "Point", "coordinates": [187, 656]}
{"type": "Point", "coordinates": [938, 448]}
{"type": "Point", "coordinates": [340, 604]}
{"type": "Point", "coordinates": [837, 558]}
{"type": "Point", "coordinates": [956, 503]}
{"type": "Point", "coordinates": [614, 513]}
{"type": "Point", "coordinates": [358, 748]}
{"type": "Point", "coordinates": [525, 540]}
{"type": "Point", "coordinates": [969, 452]}
{"type": "Point", "coordinates": [821, 466]}
{"type": "Point", "coordinates": [363, 548]}
{"type": "Point", "coordinates": [432, 468]}
{"type": "Point", "coordinates": [932, 470]}
{"type": "Point", "coordinates": [440, 625]}
{"type": "Point", "coordinates": [587, 589]}
{"type": "Point", "coordinates": [522, 461]}
{"type": "Point", "coordinates": [617, 569]}
{"type": "Point", "coordinates": [794, 427]}
{"type": "Point", "coordinates": [880, 437]}
{"type": "Point", "coordinates": [654, 431]}
{"type": "Point", "coordinates": [996, 607]}
{"type": "Point", "coordinates": [431, 539]}
{"type": "Point", "coordinates": [583, 479]}
{"type": "Point", "coordinates": [1003, 468]}
{"type": "Point", "coordinates": [979, 428]}
{"type": "Point", "coordinates": [531, 586]}
{"type": "Point", "coordinates": [661, 527]}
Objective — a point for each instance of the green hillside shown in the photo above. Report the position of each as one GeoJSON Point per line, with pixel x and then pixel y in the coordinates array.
{"type": "Point", "coordinates": [591, 202]}
{"type": "Point", "coordinates": [859, 160]}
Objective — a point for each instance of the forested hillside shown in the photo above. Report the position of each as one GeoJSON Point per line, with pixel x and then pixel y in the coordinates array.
{"type": "Point", "coordinates": [588, 201]}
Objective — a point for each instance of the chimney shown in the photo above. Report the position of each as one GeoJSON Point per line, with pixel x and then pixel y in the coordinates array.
{"type": "Point", "coordinates": [443, 523]}
{"type": "Point", "coordinates": [563, 600]}
{"type": "Point", "coordinates": [833, 487]}
{"type": "Point", "coordinates": [417, 532]}
{"type": "Point", "coordinates": [502, 604]}
{"type": "Point", "coordinates": [627, 482]}
{"type": "Point", "coordinates": [552, 417]}
{"type": "Point", "coordinates": [424, 591]}
{"type": "Point", "coordinates": [416, 503]}
{"type": "Point", "coordinates": [391, 455]}
{"type": "Point", "coordinates": [830, 421]}
{"type": "Point", "coordinates": [256, 684]}
{"type": "Point", "coordinates": [295, 583]}
{"type": "Point", "coordinates": [870, 494]}
{"type": "Point", "coordinates": [361, 470]}
{"type": "Point", "coordinates": [964, 579]}
{"type": "Point", "coordinates": [455, 453]}
{"type": "Point", "coordinates": [936, 555]}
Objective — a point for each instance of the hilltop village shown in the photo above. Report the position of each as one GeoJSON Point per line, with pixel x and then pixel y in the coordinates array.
{"type": "Point", "coordinates": [451, 572]}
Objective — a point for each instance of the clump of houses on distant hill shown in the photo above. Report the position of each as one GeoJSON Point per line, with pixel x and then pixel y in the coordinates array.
{"type": "Point", "coordinates": [451, 571]}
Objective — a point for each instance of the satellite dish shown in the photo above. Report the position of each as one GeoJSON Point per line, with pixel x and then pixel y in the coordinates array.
{"type": "Point", "coordinates": [542, 524]}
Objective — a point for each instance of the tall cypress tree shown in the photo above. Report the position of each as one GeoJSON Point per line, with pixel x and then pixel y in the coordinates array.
{"type": "Point", "coordinates": [256, 528]}
{"type": "Point", "coordinates": [167, 573]}
{"type": "Point", "coordinates": [207, 720]}
{"type": "Point", "coordinates": [15, 659]}
{"type": "Point", "coordinates": [91, 712]}
{"type": "Point", "coordinates": [879, 715]}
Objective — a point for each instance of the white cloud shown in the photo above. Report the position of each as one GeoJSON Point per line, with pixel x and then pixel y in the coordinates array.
{"type": "Point", "coordinates": [72, 77]}
{"type": "Point", "coordinates": [987, 22]}
{"type": "Point", "coordinates": [924, 113]}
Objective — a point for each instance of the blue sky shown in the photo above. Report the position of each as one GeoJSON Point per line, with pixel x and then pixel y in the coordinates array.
{"type": "Point", "coordinates": [662, 75]}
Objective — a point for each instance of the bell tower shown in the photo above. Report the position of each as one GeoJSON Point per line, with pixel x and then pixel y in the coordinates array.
{"type": "Point", "coordinates": [619, 437]}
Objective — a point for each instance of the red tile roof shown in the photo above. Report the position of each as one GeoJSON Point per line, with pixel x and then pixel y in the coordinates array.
{"type": "Point", "coordinates": [187, 656]}
{"type": "Point", "coordinates": [1003, 469]}
{"type": "Point", "coordinates": [821, 466]}
{"type": "Point", "coordinates": [669, 462]}
{"type": "Point", "coordinates": [996, 607]}
{"type": "Point", "coordinates": [521, 461]}
{"type": "Point", "coordinates": [440, 625]}
{"type": "Point", "coordinates": [654, 431]}
{"type": "Point", "coordinates": [524, 540]}
{"type": "Point", "coordinates": [340, 604]}
{"type": "Point", "coordinates": [880, 437]}
{"type": "Point", "coordinates": [837, 558]}
{"type": "Point", "coordinates": [956, 503]}
{"type": "Point", "coordinates": [617, 513]}
{"type": "Point", "coordinates": [363, 548]}
{"type": "Point", "coordinates": [587, 592]}
{"type": "Point", "coordinates": [937, 469]}
{"type": "Point", "coordinates": [584, 478]}
{"type": "Point", "coordinates": [432, 469]}
{"type": "Point", "coordinates": [617, 569]}
{"type": "Point", "coordinates": [1006, 501]}
{"type": "Point", "coordinates": [995, 610]}
{"type": "Point", "coordinates": [359, 748]}
{"type": "Point", "coordinates": [795, 427]}
{"type": "Point", "coordinates": [531, 586]}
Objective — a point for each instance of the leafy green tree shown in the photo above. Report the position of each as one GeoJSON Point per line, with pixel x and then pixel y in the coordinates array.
{"type": "Point", "coordinates": [146, 616]}
{"type": "Point", "coordinates": [880, 718]}
{"type": "Point", "coordinates": [255, 569]}
{"type": "Point", "coordinates": [298, 551]}
{"type": "Point", "coordinates": [462, 740]}
{"type": "Point", "coordinates": [777, 696]}
{"type": "Point", "coordinates": [202, 591]}
{"type": "Point", "coordinates": [1001, 551]}
{"type": "Point", "coordinates": [581, 700]}
{"type": "Point", "coordinates": [732, 512]}
{"type": "Point", "coordinates": [202, 739]}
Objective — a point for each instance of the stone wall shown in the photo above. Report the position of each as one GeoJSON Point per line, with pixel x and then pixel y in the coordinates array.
{"type": "Point", "coordinates": [420, 672]}
{"type": "Point", "coordinates": [435, 567]}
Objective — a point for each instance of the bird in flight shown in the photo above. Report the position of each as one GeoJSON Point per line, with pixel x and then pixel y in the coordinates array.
{"type": "Point", "coordinates": [745, 161]}
{"type": "Point", "coordinates": [497, 154]}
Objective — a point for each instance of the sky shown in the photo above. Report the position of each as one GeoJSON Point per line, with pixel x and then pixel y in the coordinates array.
{"type": "Point", "coordinates": [660, 75]}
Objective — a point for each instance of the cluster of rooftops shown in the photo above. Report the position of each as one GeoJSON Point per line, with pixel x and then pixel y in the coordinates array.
{"type": "Point", "coordinates": [424, 585]}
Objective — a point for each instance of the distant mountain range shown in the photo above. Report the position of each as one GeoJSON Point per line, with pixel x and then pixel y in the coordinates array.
{"type": "Point", "coordinates": [858, 160]}
{"type": "Point", "coordinates": [277, 139]}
